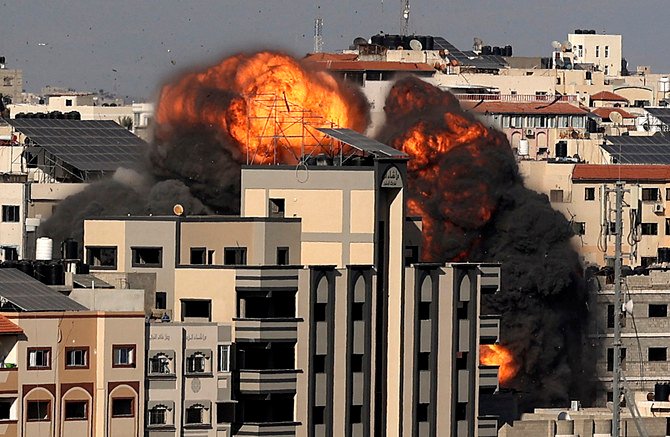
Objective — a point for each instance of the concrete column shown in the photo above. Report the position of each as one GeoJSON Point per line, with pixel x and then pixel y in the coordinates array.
{"type": "Point", "coordinates": [565, 428]}
{"type": "Point", "coordinates": [602, 428]}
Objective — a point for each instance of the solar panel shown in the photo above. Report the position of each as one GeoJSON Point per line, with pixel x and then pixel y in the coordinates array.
{"type": "Point", "coordinates": [363, 143]}
{"type": "Point", "coordinates": [663, 114]}
{"type": "Point", "coordinates": [88, 145]}
{"type": "Point", "coordinates": [29, 294]}
{"type": "Point", "coordinates": [653, 149]}
{"type": "Point", "coordinates": [485, 62]}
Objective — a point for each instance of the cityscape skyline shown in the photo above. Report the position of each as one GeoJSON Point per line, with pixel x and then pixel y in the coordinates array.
{"type": "Point", "coordinates": [134, 53]}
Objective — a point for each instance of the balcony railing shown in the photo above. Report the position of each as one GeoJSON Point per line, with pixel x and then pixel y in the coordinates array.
{"type": "Point", "coordinates": [266, 329]}
{"type": "Point", "coordinates": [488, 376]}
{"type": "Point", "coordinates": [9, 378]}
{"type": "Point", "coordinates": [270, 428]}
{"type": "Point", "coordinates": [268, 381]}
{"type": "Point", "coordinates": [519, 98]}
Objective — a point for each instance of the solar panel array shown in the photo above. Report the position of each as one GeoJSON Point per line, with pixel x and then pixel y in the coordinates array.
{"type": "Point", "coordinates": [639, 150]}
{"type": "Point", "coordinates": [361, 142]}
{"type": "Point", "coordinates": [88, 145]}
{"type": "Point", "coordinates": [29, 294]}
{"type": "Point", "coordinates": [663, 114]}
{"type": "Point", "coordinates": [486, 62]}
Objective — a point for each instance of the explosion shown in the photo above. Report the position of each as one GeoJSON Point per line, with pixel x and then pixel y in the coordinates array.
{"type": "Point", "coordinates": [260, 101]}
{"type": "Point", "coordinates": [497, 355]}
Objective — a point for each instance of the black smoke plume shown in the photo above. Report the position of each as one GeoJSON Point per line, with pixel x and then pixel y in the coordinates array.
{"type": "Point", "coordinates": [476, 208]}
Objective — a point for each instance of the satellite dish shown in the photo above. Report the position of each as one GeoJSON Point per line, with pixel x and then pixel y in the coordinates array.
{"type": "Point", "coordinates": [478, 41]}
{"type": "Point", "coordinates": [178, 210]}
{"type": "Point", "coordinates": [646, 127]}
{"type": "Point", "coordinates": [563, 415]}
{"type": "Point", "coordinates": [566, 46]}
{"type": "Point", "coordinates": [360, 41]}
{"type": "Point", "coordinates": [560, 63]}
{"type": "Point", "coordinates": [615, 117]}
{"type": "Point", "coordinates": [556, 45]}
{"type": "Point", "coordinates": [415, 44]}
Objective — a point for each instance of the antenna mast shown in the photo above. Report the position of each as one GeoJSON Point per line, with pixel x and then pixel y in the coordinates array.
{"type": "Point", "coordinates": [405, 17]}
{"type": "Point", "coordinates": [318, 35]}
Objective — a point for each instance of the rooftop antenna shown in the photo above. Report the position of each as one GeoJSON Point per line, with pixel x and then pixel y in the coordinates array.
{"type": "Point", "coordinates": [318, 35]}
{"type": "Point", "coordinates": [405, 17]}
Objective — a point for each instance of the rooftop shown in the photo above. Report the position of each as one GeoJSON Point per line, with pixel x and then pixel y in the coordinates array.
{"type": "Point", "coordinates": [646, 173]}
{"type": "Point", "coordinates": [337, 65]}
{"type": "Point", "coordinates": [608, 96]}
{"type": "Point", "coordinates": [604, 113]}
{"type": "Point", "coordinates": [20, 292]}
{"type": "Point", "coordinates": [551, 108]}
{"type": "Point", "coordinates": [8, 327]}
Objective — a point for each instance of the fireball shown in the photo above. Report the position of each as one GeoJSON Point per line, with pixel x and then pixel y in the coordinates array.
{"type": "Point", "coordinates": [497, 355]}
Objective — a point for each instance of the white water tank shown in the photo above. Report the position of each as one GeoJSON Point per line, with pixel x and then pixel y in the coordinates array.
{"type": "Point", "coordinates": [44, 249]}
{"type": "Point", "coordinates": [664, 84]}
{"type": "Point", "coordinates": [524, 147]}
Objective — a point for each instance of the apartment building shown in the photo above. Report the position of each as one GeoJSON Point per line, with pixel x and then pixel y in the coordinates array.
{"type": "Point", "coordinates": [67, 371]}
{"type": "Point", "coordinates": [601, 50]}
{"type": "Point", "coordinates": [11, 81]}
{"type": "Point", "coordinates": [310, 314]}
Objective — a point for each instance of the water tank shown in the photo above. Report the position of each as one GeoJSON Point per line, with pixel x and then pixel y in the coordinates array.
{"type": "Point", "coordinates": [562, 149]}
{"type": "Point", "coordinates": [44, 249]}
{"type": "Point", "coordinates": [663, 255]}
{"type": "Point", "coordinates": [497, 51]}
{"type": "Point", "coordinates": [664, 84]}
{"type": "Point", "coordinates": [26, 267]}
{"type": "Point", "coordinates": [661, 391]}
{"type": "Point", "coordinates": [377, 39]}
{"type": "Point", "coordinates": [56, 273]}
{"type": "Point", "coordinates": [508, 50]}
{"type": "Point", "coordinates": [430, 43]}
{"type": "Point", "coordinates": [524, 147]}
{"type": "Point", "coordinates": [486, 50]}
{"type": "Point", "coordinates": [9, 264]}
{"type": "Point", "coordinates": [70, 249]}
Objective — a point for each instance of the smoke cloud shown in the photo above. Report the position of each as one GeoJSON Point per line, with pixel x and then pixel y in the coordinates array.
{"type": "Point", "coordinates": [464, 182]}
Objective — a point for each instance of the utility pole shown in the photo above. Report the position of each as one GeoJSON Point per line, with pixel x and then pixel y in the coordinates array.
{"type": "Point", "coordinates": [405, 17]}
{"type": "Point", "coordinates": [618, 307]}
{"type": "Point", "coordinates": [318, 35]}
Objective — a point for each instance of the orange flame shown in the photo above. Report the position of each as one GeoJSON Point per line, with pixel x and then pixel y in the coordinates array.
{"type": "Point", "coordinates": [260, 100]}
{"type": "Point", "coordinates": [497, 355]}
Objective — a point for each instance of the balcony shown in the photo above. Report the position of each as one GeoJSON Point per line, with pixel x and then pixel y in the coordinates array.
{"type": "Point", "coordinates": [488, 377]}
{"type": "Point", "coordinates": [487, 426]}
{"type": "Point", "coordinates": [517, 98]}
{"type": "Point", "coordinates": [489, 328]}
{"type": "Point", "coordinates": [9, 379]}
{"type": "Point", "coordinates": [268, 381]}
{"type": "Point", "coordinates": [280, 329]}
{"type": "Point", "coordinates": [269, 428]}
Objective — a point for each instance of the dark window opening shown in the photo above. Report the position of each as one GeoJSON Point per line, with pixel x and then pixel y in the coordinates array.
{"type": "Point", "coordinates": [610, 316]}
{"type": "Point", "coordinates": [161, 300]}
{"type": "Point", "coordinates": [263, 408]}
{"type": "Point", "coordinates": [649, 228]}
{"type": "Point", "coordinates": [356, 414]}
{"type": "Point", "coordinates": [122, 407]}
{"type": "Point", "coordinates": [11, 254]}
{"type": "Point", "coordinates": [556, 196]}
{"type": "Point", "coordinates": [196, 363]}
{"type": "Point", "coordinates": [461, 410]}
{"type": "Point", "coordinates": [356, 362]}
{"type": "Point", "coordinates": [424, 310]}
{"type": "Point", "coordinates": [265, 356]}
{"type": "Point", "coordinates": [225, 412]}
{"type": "Point", "coordinates": [101, 257]}
{"type": "Point", "coordinates": [610, 396]}
{"type": "Point", "coordinates": [610, 359]}
{"type": "Point", "coordinates": [422, 413]}
{"type": "Point", "coordinates": [667, 226]}
{"type": "Point", "coordinates": [357, 311]}
{"type": "Point", "coordinates": [411, 255]}
{"type": "Point", "coordinates": [579, 228]}
{"type": "Point", "coordinates": [210, 257]}
{"type": "Point", "coordinates": [147, 256]}
{"type": "Point", "coordinates": [276, 207]}
{"type": "Point", "coordinates": [76, 357]}
{"type": "Point", "coordinates": [265, 304]}
{"type": "Point", "coordinates": [6, 408]}
{"type": "Point", "coordinates": [282, 256]}
{"type": "Point", "coordinates": [319, 415]}
{"type": "Point", "coordinates": [235, 256]}
{"type": "Point", "coordinates": [589, 193]}
{"type": "Point", "coordinates": [320, 312]}
{"type": "Point", "coordinates": [68, 102]}
{"type": "Point", "coordinates": [158, 415]}
{"type": "Point", "coordinates": [319, 364]}
{"type": "Point", "coordinates": [658, 310]}
{"type": "Point", "coordinates": [10, 213]}
{"type": "Point", "coordinates": [658, 354]}
{"type": "Point", "coordinates": [39, 410]}
{"type": "Point", "coordinates": [423, 361]}
{"type": "Point", "coordinates": [462, 311]}
{"type": "Point", "coordinates": [198, 255]}
{"type": "Point", "coordinates": [196, 308]}
{"type": "Point", "coordinates": [159, 364]}
{"type": "Point", "coordinates": [195, 415]}
{"type": "Point", "coordinates": [646, 261]}
{"type": "Point", "coordinates": [651, 194]}
{"type": "Point", "coordinates": [75, 410]}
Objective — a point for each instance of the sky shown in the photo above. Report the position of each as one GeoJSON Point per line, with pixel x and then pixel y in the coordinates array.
{"type": "Point", "coordinates": [131, 47]}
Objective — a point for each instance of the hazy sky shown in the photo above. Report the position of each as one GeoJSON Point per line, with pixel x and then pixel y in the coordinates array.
{"type": "Point", "coordinates": [131, 46]}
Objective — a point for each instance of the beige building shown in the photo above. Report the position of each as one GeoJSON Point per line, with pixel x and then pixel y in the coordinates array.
{"type": "Point", "coordinates": [310, 314]}
{"type": "Point", "coordinates": [601, 50]}
{"type": "Point", "coordinates": [11, 81]}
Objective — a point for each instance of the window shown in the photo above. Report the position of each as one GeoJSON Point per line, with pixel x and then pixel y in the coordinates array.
{"type": "Point", "coordinates": [320, 312]}
{"type": "Point", "coordinates": [319, 415]}
{"type": "Point", "coordinates": [646, 261]}
{"type": "Point", "coordinates": [38, 411]}
{"type": "Point", "coordinates": [235, 256]}
{"type": "Point", "coordinates": [667, 226]}
{"type": "Point", "coordinates": [195, 415]}
{"type": "Point", "coordinates": [123, 356]}
{"type": "Point", "coordinates": [39, 358]}
{"type": "Point", "coordinates": [319, 364]}
{"type": "Point", "coordinates": [356, 414]}
{"type": "Point", "coordinates": [147, 256]}
{"type": "Point", "coordinates": [667, 194]}
{"type": "Point", "coordinates": [158, 415]}
{"type": "Point", "coordinates": [10, 213]}
{"type": "Point", "coordinates": [651, 195]}
{"type": "Point", "coordinates": [76, 410]}
{"type": "Point", "coordinates": [556, 196]}
{"type": "Point", "coordinates": [357, 310]}
{"type": "Point", "coordinates": [7, 81]}
{"type": "Point", "coordinates": [196, 308]}
{"type": "Point", "coordinates": [282, 256]}
{"type": "Point", "coordinates": [589, 193]}
{"type": "Point", "coordinates": [610, 316]}
{"type": "Point", "coordinates": [597, 51]}
{"type": "Point", "coordinates": [68, 102]}
{"type": "Point", "coordinates": [424, 310]}
{"type": "Point", "coordinates": [11, 254]}
{"type": "Point", "coordinates": [612, 228]}
{"type": "Point", "coordinates": [161, 300]}
{"type": "Point", "coordinates": [276, 207]}
{"type": "Point", "coordinates": [6, 409]}
{"type": "Point", "coordinates": [196, 363]}
{"type": "Point", "coordinates": [579, 228]}
{"type": "Point", "coordinates": [658, 354]}
{"type": "Point", "coordinates": [649, 228]}
{"type": "Point", "coordinates": [76, 357]}
{"type": "Point", "coordinates": [101, 257]}
{"type": "Point", "coordinates": [658, 310]}
{"type": "Point", "coordinates": [424, 361]}
{"type": "Point", "coordinates": [610, 359]}
{"type": "Point", "coordinates": [224, 358]}
{"type": "Point", "coordinates": [160, 364]}
{"type": "Point", "coordinates": [422, 413]}
{"type": "Point", "coordinates": [225, 412]}
{"type": "Point", "coordinates": [411, 255]}
{"type": "Point", "coordinates": [356, 362]}
{"type": "Point", "coordinates": [122, 407]}
{"type": "Point", "coordinates": [210, 257]}
{"type": "Point", "coordinates": [198, 255]}
{"type": "Point", "coordinates": [607, 51]}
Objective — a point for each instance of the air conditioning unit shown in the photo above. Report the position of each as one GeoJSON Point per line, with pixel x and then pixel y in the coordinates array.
{"type": "Point", "coordinates": [530, 133]}
{"type": "Point", "coordinates": [659, 208]}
